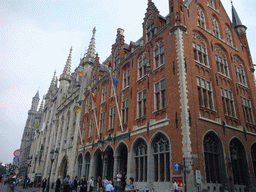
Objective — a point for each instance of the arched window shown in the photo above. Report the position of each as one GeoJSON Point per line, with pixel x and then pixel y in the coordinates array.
{"type": "Point", "coordinates": [240, 74]}
{"type": "Point", "coordinates": [229, 36]}
{"type": "Point", "coordinates": [211, 4]}
{"type": "Point", "coordinates": [214, 159]}
{"type": "Point", "coordinates": [142, 65]}
{"type": "Point", "coordinates": [201, 17]}
{"type": "Point", "coordinates": [215, 26]}
{"type": "Point", "coordinates": [87, 160]}
{"type": "Point", "coordinates": [150, 28]}
{"type": "Point", "coordinates": [239, 163]}
{"type": "Point", "coordinates": [79, 165]}
{"type": "Point", "coordinates": [253, 152]}
{"type": "Point", "coordinates": [221, 61]}
{"type": "Point", "coordinates": [159, 54]}
{"type": "Point", "coordinates": [161, 159]}
{"type": "Point", "coordinates": [141, 154]}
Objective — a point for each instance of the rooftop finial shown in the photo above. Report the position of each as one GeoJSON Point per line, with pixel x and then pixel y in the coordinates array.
{"type": "Point", "coordinates": [91, 48]}
{"type": "Point", "coordinates": [67, 68]}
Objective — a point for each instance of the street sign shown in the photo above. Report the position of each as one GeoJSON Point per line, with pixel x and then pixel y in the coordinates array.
{"type": "Point", "coordinates": [198, 176]}
{"type": "Point", "coordinates": [176, 166]}
{"type": "Point", "coordinates": [17, 153]}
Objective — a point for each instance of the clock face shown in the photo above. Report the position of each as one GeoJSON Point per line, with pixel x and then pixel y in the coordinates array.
{"type": "Point", "coordinates": [17, 153]}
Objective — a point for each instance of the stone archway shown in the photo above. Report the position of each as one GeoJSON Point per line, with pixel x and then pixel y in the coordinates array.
{"type": "Point", "coordinates": [63, 168]}
{"type": "Point", "coordinates": [121, 158]}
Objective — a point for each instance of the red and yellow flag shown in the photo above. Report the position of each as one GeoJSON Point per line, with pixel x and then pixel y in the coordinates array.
{"type": "Point", "coordinates": [94, 96]}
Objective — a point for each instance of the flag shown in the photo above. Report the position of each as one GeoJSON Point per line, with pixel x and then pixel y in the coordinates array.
{"type": "Point", "coordinates": [115, 80]}
{"type": "Point", "coordinates": [104, 68]}
{"type": "Point", "coordinates": [94, 97]}
{"type": "Point", "coordinates": [77, 108]}
{"type": "Point", "coordinates": [37, 125]}
{"type": "Point", "coordinates": [81, 73]}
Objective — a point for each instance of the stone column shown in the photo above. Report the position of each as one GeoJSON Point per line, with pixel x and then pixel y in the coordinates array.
{"type": "Point", "coordinates": [105, 164]}
{"type": "Point", "coordinates": [116, 165]}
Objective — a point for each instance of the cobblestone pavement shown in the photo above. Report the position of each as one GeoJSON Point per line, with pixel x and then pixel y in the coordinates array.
{"type": "Point", "coordinates": [4, 188]}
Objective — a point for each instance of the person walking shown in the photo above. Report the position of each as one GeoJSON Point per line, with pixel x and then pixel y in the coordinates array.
{"type": "Point", "coordinates": [75, 184]}
{"type": "Point", "coordinates": [105, 182]}
{"type": "Point", "coordinates": [99, 184]}
{"type": "Point", "coordinates": [109, 187]}
{"type": "Point", "coordinates": [58, 183]}
{"type": "Point", "coordinates": [131, 186]}
{"type": "Point", "coordinates": [11, 183]}
{"type": "Point", "coordinates": [66, 184]}
{"type": "Point", "coordinates": [123, 180]}
{"type": "Point", "coordinates": [83, 185]}
{"type": "Point", "coordinates": [44, 183]}
{"type": "Point", "coordinates": [91, 184]}
{"type": "Point", "coordinates": [118, 179]}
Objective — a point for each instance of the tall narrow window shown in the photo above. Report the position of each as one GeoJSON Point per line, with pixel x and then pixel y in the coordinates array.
{"type": "Point", "coordinates": [142, 103]}
{"type": "Point", "coordinates": [142, 68]}
{"type": "Point", "coordinates": [141, 167]}
{"type": "Point", "coordinates": [247, 108]}
{"type": "Point", "coordinates": [205, 96]}
{"type": "Point", "coordinates": [160, 95]}
{"type": "Point", "coordinates": [101, 124]}
{"type": "Point", "coordinates": [91, 127]}
{"type": "Point", "coordinates": [222, 65]}
{"type": "Point", "coordinates": [215, 26]}
{"type": "Point", "coordinates": [161, 159]}
{"type": "Point", "coordinates": [111, 117]}
{"type": "Point", "coordinates": [79, 165]}
{"type": "Point", "coordinates": [211, 3]}
{"type": "Point", "coordinates": [87, 164]}
{"type": "Point", "coordinates": [104, 94]}
{"type": "Point", "coordinates": [116, 61]}
{"type": "Point", "coordinates": [159, 54]}
{"type": "Point", "coordinates": [150, 28]}
{"type": "Point", "coordinates": [200, 54]}
{"type": "Point", "coordinates": [125, 104]}
{"type": "Point", "coordinates": [126, 78]}
{"type": "Point", "coordinates": [229, 36]}
{"type": "Point", "coordinates": [228, 102]}
{"type": "Point", "coordinates": [200, 17]}
{"type": "Point", "coordinates": [240, 74]}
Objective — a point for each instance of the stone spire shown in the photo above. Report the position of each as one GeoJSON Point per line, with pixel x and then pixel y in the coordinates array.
{"type": "Point", "coordinates": [67, 68]}
{"type": "Point", "coordinates": [53, 80]}
{"type": "Point", "coordinates": [235, 18]}
{"type": "Point", "coordinates": [91, 48]}
{"type": "Point", "coordinates": [42, 105]}
{"type": "Point", "coordinates": [37, 94]}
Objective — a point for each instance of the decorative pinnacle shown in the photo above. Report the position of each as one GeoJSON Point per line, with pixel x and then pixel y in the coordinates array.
{"type": "Point", "coordinates": [42, 105]}
{"type": "Point", "coordinates": [91, 48]}
{"type": "Point", "coordinates": [67, 68]}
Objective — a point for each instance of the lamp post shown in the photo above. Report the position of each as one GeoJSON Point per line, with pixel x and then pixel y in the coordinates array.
{"type": "Point", "coordinates": [52, 160]}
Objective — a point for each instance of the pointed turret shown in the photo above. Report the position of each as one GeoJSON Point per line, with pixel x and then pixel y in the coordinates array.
{"type": "Point", "coordinates": [41, 105]}
{"type": "Point", "coordinates": [90, 55]}
{"type": "Point", "coordinates": [235, 18]}
{"type": "Point", "coordinates": [67, 69]}
{"type": "Point", "coordinates": [37, 94]}
{"type": "Point", "coordinates": [35, 102]}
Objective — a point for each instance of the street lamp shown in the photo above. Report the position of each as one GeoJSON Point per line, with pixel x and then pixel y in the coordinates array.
{"type": "Point", "coordinates": [52, 160]}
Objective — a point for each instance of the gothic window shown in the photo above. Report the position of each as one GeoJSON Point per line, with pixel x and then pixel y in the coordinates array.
{"type": "Point", "coordinates": [160, 95]}
{"type": "Point", "coordinates": [247, 109]}
{"type": "Point", "coordinates": [222, 65]}
{"type": "Point", "coordinates": [161, 159]}
{"type": "Point", "coordinates": [142, 67]}
{"type": "Point", "coordinates": [142, 108]}
{"type": "Point", "coordinates": [159, 54]}
{"type": "Point", "coordinates": [205, 95]}
{"type": "Point", "coordinates": [125, 104]}
{"type": "Point", "coordinates": [253, 152]}
{"type": "Point", "coordinates": [126, 78]}
{"type": "Point", "coordinates": [79, 165]}
{"type": "Point", "coordinates": [211, 3]}
{"type": "Point", "coordinates": [228, 102]}
{"type": "Point", "coordinates": [101, 124]}
{"type": "Point", "coordinates": [240, 74]}
{"type": "Point", "coordinates": [87, 159]}
{"type": "Point", "coordinates": [141, 167]}
{"type": "Point", "coordinates": [201, 17]}
{"type": "Point", "coordinates": [215, 26]}
{"type": "Point", "coordinates": [73, 125]}
{"type": "Point", "coordinates": [112, 117]}
{"type": "Point", "coordinates": [229, 37]}
{"type": "Point", "coordinates": [91, 127]}
{"type": "Point", "coordinates": [200, 54]}
{"type": "Point", "coordinates": [238, 163]}
{"type": "Point", "coordinates": [116, 58]}
{"type": "Point", "coordinates": [104, 94]}
{"type": "Point", "coordinates": [150, 28]}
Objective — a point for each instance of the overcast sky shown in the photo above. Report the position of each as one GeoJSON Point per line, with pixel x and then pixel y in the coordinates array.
{"type": "Point", "coordinates": [36, 36]}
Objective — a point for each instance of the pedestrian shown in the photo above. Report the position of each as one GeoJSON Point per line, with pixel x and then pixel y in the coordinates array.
{"type": "Point", "coordinates": [99, 184]}
{"type": "Point", "coordinates": [131, 186]}
{"type": "Point", "coordinates": [174, 186]}
{"type": "Point", "coordinates": [11, 183]}
{"type": "Point", "coordinates": [66, 183]}
{"type": "Point", "coordinates": [58, 182]}
{"type": "Point", "coordinates": [123, 180]}
{"type": "Point", "coordinates": [44, 183]}
{"type": "Point", "coordinates": [91, 184]}
{"type": "Point", "coordinates": [118, 180]}
{"type": "Point", "coordinates": [83, 184]}
{"type": "Point", "coordinates": [105, 182]}
{"type": "Point", "coordinates": [109, 187]}
{"type": "Point", "coordinates": [75, 184]}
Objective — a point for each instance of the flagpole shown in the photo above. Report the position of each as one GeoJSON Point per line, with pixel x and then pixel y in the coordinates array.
{"type": "Point", "coordinates": [121, 124]}
{"type": "Point", "coordinates": [95, 114]}
{"type": "Point", "coordinates": [76, 105]}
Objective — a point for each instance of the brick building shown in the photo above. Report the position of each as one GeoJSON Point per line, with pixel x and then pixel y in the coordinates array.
{"type": "Point", "coordinates": [183, 107]}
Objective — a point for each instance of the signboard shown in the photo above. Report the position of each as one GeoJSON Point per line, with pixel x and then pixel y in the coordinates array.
{"type": "Point", "coordinates": [176, 166]}
{"type": "Point", "coordinates": [198, 176]}
{"type": "Point", "coordinates": [17, 153]}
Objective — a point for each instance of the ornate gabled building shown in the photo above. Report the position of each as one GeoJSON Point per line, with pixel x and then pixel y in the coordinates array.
{"type": "Point", "coordinates": [183, 108]}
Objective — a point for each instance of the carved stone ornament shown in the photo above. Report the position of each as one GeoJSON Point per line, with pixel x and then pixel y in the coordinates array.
{"type": "Point", "coordinates": [220, 51]}
{"type": "Point", "coordinates": [197, 35]}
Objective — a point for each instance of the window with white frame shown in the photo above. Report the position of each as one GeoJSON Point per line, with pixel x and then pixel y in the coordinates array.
{"type": "Point", "coordinates": [222, 65]}
{"type": "Point", "coordinates": [247, 109]}
{"type": "Point", "coordinates": [211, 3]}
{"type": "Point", "coordinates": [215, 26]}
{"type": "Point", "coordinates": [228, 102]}
{"type": "Point", "coordinates": [125, 104]}
{"type": "Point", "coordinates": [79, 165]}
{"type": "Point", "coordinates": [87, 164]}
{"type": "Point", "coordinates": [200, 54]}
{"type": "Point", "coordinates": [101, 123]}
{"type": "Point", "coordinates": [200, 17]}
{"type": "Point", "coordinates": [229, 36]}
{"type": "Point", "coordinates": [205, 95]}
{"type": "Point", "coordinates": [91, 127]}
{"type": "Point", "coordinates": [126, 78]}
{"type": "Point", "coordinates": [142, 108]}
{"type": "Point", "coordinates": [161, 159]}
{"type": "Point", "coordinates": [160, 95]}
{"type": "Point", "coordinates": [141, 159]}
{"type": "Point", "coordinates": [104, 94]}
{"type": "Point", "coordinates": [142, 67]}
{"type": "Point", "coordinates": [240, 75]}
{"type": "Point", "coordinates": [112, 117]}
{"type": "Point", "coordinates": [159, 55]}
